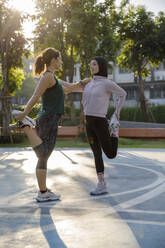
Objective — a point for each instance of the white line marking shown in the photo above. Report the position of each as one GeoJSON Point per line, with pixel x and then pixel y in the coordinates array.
{"type": "Point", "coordinates": [141, 222]}
{"type": "Point", "coordinates": [160, 180]}
{"type": "Point", "coordinates": [138, 200]}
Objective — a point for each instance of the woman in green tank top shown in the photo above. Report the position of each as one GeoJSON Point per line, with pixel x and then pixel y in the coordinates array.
{"type": "Point", "coordinates": [43, 136]}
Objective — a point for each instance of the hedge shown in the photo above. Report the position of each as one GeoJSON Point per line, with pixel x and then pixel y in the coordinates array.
{"type": "Point", "coordinates": [34, 112]}
{"type": "Point", "coordinates": [157, 114]}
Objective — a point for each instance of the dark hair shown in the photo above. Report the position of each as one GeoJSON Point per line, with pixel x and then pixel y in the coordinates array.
{"type": "Point", "coordinates": [44, 59]}
{"type": "Point", "coordinates": [102, 63]}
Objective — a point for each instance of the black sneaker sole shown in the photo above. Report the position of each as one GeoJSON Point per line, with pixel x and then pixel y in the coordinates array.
{"type": "Point", "coordinates": [104, 193]}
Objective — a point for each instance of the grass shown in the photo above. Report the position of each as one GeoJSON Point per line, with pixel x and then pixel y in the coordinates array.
{"type": "Point", "coordinates": [138, 143]}
{"type": "Point", "coordinates": [123, 143]}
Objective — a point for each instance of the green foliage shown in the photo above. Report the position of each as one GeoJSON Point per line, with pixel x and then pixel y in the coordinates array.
{"type": "Point", "coordinates": [83, 137]}
{"type": "Point", "coordinates": [16, 76]}
{"type": "Point", "coordinates": [159, 113]}
{"type": "Point", "coordinates": [127, 113]}
{"type": "Point", "coordinates": [28, 86]}
{"type": "Point", "coordinates": [52, 31]}
{"type": "Point", "coordinates": [131, 114]}
{"type": "Point", "coordinates": [110, 112]}
{"type": "Point", "coordinates": [12, 41]}
{"type": "Point", "coordinates": [12, 49]}
{"type": "Point", "coordinates": [142, 37]}
{"type": "Point", "coordinates": [17, 138]}
{"type": "Point", "coordinates": [109, 42]}
{"type": "Point", "coordinates": [34, 112]}
{"type": "Point", "coordinates": [142, 45]}
{"type": "Point", "coordinates": [79, 29]}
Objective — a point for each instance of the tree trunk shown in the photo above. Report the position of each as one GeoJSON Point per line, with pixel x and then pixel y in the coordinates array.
{"type": "Point", "coordinates": [5, 102]}
{"type": "Point", "coordinates": [143, 102]}
{"type": "Point", "coordinates": [6, 114]}
{"type": "Point", "coordinates": [82, 117]}
{"type": "Point", "coordinates": [71, 74]}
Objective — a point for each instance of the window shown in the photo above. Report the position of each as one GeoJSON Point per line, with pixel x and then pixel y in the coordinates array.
{"type": "Point", "coordinates": [155, 92]}
{"type": "Point", "coordinates": [131, 93]}
{"type": "Point", "coordinates": [163, 91]}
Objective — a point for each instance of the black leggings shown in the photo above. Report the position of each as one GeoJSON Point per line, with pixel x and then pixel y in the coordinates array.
{"type": "Point", "coordinates": [99, 138]}
{"type": "Point", "coordinates": [46, 127]}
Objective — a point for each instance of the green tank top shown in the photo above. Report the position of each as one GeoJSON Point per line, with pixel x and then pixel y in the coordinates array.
{"type": "Point", "coordinates": [53, 100]}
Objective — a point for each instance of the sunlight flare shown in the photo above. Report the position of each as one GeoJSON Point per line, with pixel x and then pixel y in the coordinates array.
{"type": "Point", "coordinates": [26, 6]}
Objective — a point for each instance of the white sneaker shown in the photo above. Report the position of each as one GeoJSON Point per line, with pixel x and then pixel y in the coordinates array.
{"type": "Point", "coordinates": [114, 120]}
{"type": "Point", "coordinates": [100, 189]}
{"type": "Point", "coordinates": [47, 196]}
{"type": "Point", "coordinates": [114, 126]}
{"type": "Point", "coordinates": [27, 121]}
{"type": "Point", "coordinates": [114, 131]}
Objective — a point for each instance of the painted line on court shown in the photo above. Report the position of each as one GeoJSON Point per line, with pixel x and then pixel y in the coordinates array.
{"type": "Point", "coordinates": [107, 210]}
{"type": "Point", "coordinates": [50, 227]}
{"type": "Point", "coordinates": [138, 200]}
{"type": "Point", "coordinates": [71, 160]}
{"type": "Point", "coordinates": [160, 180]}
{"type": "Point", "coordinates": [141, 222]}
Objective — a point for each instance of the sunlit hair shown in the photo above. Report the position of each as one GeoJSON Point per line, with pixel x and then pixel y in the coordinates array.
{"type": "Point", "coordinates": [44, 59]}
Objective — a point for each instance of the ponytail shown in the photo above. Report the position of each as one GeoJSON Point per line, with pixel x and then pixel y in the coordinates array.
{"type": "Point", "coordinates": [44, 60]}
{"type": "Point", "coordinates": [39, 65]}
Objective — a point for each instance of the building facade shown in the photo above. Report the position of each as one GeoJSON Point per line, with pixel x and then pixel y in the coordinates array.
{"type": "Point", "coordinates": [154, 85]}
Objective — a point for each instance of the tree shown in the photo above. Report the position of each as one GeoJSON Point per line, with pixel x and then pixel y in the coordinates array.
{"type": "Point", "coordinates": [53, 20]}
{"type": "Point", "coordinates": [141, 46]}
{"type": "Point", "coordinates": [12, 47]}
{"type": "Point", "coordinates": [108, 41]}
{"type": "Point", "coordinates": [80, 29]}
{"type": "Point", "coordinates": [28, 86]}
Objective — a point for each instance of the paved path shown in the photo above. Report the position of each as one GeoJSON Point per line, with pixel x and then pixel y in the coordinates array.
{"type": "Point", "coordinates": [132, 215]}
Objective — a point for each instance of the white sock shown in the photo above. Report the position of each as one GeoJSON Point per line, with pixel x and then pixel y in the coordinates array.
{"type": "Point", "coordinates": [100, 176]}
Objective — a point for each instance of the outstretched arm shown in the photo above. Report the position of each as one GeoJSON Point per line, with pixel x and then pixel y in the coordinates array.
{"type": "Point", "coordinates": [75, 87]}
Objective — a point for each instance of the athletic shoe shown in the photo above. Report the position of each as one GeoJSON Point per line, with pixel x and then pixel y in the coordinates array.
{"type": "Point", "coordinates": [114, 120]}
{"type": "Point", "coordinates": [47, 196]}
{"type": "Point", "coordinates": [114, 132]}
{"type": "Point", "coordinates": [114, 126]}
{"type": "Point", "coordinates": [18, 125]}
{"type": "Point", "coordinates": [100, 189]}
{"type": "Point", "coordinates": [27, 121]}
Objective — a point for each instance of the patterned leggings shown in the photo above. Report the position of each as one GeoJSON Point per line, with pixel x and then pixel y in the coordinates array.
{"type": "Point", "coordinates": [46, 127]}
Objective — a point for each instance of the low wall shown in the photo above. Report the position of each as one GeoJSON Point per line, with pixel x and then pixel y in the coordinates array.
{"type": "Point", "coordinates": [73, 131]}
{"type": "Point", "coordinates": [68, 131]}
{"type": "Point", "coordinates": [142, 133]}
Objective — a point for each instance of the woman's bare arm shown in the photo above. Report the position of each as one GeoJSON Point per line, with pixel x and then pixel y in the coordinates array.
{"type": "Point", "coordinates": [74, 87]}
{"type": "Point", "coordinates": [45, 82]}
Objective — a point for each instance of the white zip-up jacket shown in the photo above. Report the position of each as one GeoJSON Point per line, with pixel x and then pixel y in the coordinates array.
{"type": "Point", "coordinates": [96, 96]}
